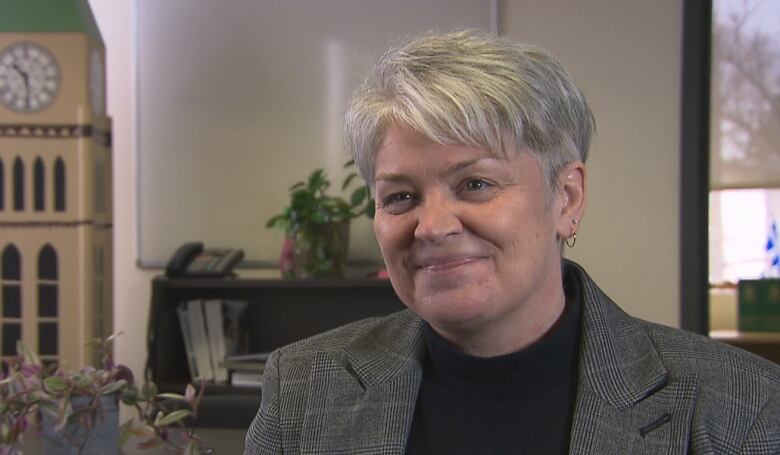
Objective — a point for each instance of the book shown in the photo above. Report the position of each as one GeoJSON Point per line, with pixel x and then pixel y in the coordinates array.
{"type": "Point", "coordinates": [226, 336]}
{"type": "Point", "coordinates": [235, 327]}
{"type": "Point", "coordinates": [249, 357]}
{"type": "Point", "coordinates": [213, 311]}
{"type": "Point", "coordinates": [759, 305]}
{"type": "Point", "coordinates": [246, 379]}
{"type": "Point", "coordinates": [246, 370]}
{"type": "Point", "coordinates": [200, 340]}
{"type": "Point", "coordinates": [184, 324]}
{"type": "Point", "coordinates": [246, 362]}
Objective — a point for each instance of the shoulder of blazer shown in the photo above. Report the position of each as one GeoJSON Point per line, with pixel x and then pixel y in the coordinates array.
{"type": "Point", "coordinates": [713, 360]}
{"type": "Point", "coordinates": [348, 334]}
{"type": "Point", "coordinates": [737, 392]}
{"type": "Point", "coordinates": [625, 360]}
{"type": "Point", "coordinates": [733, 383]}
{"type": "Point", "coordinates": [372, 349]}
{"type": "Point", "coordinates": [619, 341]}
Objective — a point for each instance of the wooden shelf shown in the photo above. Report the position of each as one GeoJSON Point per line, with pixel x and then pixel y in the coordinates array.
{"type": "Point", "coordinates": [764, 344]}
{"type": "Point", "coordinates": [746, 337]}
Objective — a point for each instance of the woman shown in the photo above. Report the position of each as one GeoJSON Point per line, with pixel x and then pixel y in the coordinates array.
{"type": "Point", "coordinates": [475, 150]}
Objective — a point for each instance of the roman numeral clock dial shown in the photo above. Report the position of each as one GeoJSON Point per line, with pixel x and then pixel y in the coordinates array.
{"type": "Point", "coordinates": [29, 77]}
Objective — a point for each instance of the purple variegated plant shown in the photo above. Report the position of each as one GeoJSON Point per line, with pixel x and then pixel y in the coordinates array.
{"type": "Point", "coordinates": [28, 389]}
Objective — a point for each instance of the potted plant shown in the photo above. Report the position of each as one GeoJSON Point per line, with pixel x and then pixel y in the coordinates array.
{"type": "Point", "coordinates": [78, 410]}
{"type": "Point", "coordinates": [316, 225]}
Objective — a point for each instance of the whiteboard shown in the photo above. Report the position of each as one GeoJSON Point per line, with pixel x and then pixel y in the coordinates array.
{"type": "Point", "coordinates": [237, 100]}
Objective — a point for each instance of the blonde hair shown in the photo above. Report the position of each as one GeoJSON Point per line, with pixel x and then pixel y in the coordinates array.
{"type": "Point", "coordinates": [470, 87]}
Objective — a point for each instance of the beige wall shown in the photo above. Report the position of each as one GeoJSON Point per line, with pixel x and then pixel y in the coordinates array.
{"type": "Point", "coordinates": [626, 56]}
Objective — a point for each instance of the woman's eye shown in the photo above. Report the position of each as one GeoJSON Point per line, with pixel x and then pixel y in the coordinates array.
{"type": "Point", "coordinates": [397, 197]}
{"type": "Point", "coordinates": [476, 185]}
{"type": "Point", "coordinates": [397, 202]}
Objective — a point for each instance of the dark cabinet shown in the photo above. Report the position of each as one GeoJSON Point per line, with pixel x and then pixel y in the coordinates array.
{"type": "Point", "coordinates": [279, 312]}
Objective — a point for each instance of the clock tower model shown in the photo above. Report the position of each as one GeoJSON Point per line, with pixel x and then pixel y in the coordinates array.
{"type": "Point", "coordinates": [55, 181]}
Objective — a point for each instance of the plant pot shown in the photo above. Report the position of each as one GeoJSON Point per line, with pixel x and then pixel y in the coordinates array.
{"type": "Point", "coordinates": [320, 250]}
{"type": "Point", "coordinates": [74, 438]}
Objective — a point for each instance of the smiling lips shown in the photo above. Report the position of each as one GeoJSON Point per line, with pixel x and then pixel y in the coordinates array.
{"type": "Point", "coordinates": [436, 264]}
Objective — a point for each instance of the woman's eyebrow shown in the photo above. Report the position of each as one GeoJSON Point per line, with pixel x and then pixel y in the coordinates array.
{"type": "Point", "coordinates": [457, 167]}
{"type": "Point", "coordinates": [391, 177]}
{"type": "Point", "coordinates": [394, 177]}
{"type": "Point", "coordinates": [460, 166]}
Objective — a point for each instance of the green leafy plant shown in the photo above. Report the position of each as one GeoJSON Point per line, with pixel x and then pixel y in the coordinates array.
{"type": "Point", "coordinates": [316, 223]}
{"type": "Point", "coordinates": [30, 388]}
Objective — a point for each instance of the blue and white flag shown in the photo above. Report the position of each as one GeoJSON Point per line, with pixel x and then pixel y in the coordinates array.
{"type": "Point", "coordinates": [773, 250]}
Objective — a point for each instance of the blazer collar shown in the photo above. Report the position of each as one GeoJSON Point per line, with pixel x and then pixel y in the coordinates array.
{"type": "Point", "coordinates": [387, 350]}
{"type": "Point", "coordinates": [617, 359]}
{"type": "Point", "coordinates": [365, 394]}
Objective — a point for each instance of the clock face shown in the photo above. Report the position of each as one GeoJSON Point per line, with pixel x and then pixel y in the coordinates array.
{"type": "Point", "coordinates": [97, 84]}
{"type": "Point", "coordinates": [29, 77]}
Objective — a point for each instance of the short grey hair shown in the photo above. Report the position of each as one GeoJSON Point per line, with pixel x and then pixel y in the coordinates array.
{"type": "Point", "coordinates": [473, 88]}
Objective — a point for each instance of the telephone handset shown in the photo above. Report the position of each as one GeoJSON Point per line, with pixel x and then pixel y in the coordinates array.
{"type": "Point", "coordinates": [191, 260]}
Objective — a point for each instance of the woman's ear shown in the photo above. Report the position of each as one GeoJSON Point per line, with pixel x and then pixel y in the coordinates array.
{"type": "Point", "coordinates": [571, 191]}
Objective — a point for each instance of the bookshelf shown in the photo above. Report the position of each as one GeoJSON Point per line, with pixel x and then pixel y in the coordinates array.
{"type": "Point", "coordinates": [280, 312]}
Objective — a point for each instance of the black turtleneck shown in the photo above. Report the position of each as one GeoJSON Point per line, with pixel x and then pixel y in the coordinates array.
{"type": "Point", "coordinates": [515, 403]}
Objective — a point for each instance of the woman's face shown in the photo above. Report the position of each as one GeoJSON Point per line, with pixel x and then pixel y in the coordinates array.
{"type": "Point", "coordinates": [468, 241]}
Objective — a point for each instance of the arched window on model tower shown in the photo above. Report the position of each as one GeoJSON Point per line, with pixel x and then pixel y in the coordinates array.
{"type": "Point", "coordinates": [18, 184]}
{"type": "Point", "coordinates": [2, 185]}
{"type": "Point", "coordinates": [39, 185]}
{"type": "Point", "coordinates": [48, 304]}
{"type": "Point", "coordinates": [59, 185]}
{"type": "Point", "coordinates": [11, 295]}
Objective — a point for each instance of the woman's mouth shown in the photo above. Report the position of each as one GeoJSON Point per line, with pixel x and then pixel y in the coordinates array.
{"type": "Point", "coordinates": [444, 264]}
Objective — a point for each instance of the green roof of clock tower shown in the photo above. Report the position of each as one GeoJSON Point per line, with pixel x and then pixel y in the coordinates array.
{"type": "Point", "coordinates": [34, 16]}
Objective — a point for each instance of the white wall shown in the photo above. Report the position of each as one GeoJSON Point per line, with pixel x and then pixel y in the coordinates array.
{"type": "Point", "coordinates": [131, 285]}
{"type": "Point", "coordinates": [246, 83]}
{"type": "Point", "coordinates": [626, 56]}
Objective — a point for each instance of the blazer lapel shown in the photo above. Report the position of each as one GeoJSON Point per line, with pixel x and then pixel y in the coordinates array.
{"type": "Point", "coordinates": [626, 402]}
{"type": "Point", "coordinates": [363, 401]}
{"type": "Point", "coordinates": [659, 424]}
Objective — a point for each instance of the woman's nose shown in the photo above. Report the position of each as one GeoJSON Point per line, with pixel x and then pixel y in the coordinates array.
{"type": "Point", "coordinates": [436, 220]}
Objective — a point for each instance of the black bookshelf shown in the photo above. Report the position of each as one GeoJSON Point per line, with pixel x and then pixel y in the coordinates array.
{"type": "Point", "coordinates": [280, 312]}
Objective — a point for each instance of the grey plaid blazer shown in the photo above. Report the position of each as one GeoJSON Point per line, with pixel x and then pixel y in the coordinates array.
{"type": "Point", "coordinates": [643, 389]}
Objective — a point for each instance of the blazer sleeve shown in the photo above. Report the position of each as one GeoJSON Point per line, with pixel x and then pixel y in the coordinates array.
{"type": "Point", "coordinates": [264, 435]}
{"type": "Point", "coordinates": [764, 435]}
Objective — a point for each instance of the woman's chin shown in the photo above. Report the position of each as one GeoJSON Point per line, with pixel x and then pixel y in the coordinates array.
{"type": "Point", "coordinates": [456, 306]}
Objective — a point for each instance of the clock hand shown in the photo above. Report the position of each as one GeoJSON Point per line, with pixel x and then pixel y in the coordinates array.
{"type": "Point", "coordinates": [26, 78]}
{"type": "Point", "coordinates": [22, 73]}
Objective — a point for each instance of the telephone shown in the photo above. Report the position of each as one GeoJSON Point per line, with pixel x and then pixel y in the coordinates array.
{"type": "Point", "coordinates": [191, 260]}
